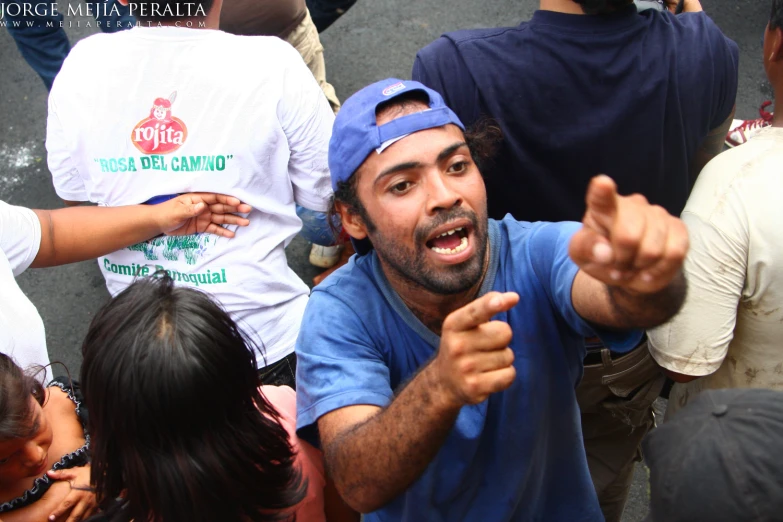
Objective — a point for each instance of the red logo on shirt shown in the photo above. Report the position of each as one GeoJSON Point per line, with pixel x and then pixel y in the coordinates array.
{"type": "Point", "coordinates": [160, 133]}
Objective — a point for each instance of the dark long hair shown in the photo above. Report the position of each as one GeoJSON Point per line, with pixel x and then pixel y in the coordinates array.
{"type": "Point", "coordinates": [180, 431]}
{"type": "Point", "coordinates": [16, 387]}
{"type": "Point", "coordinates": [776, 15]}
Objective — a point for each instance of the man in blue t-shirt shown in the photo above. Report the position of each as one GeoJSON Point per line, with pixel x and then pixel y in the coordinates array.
{"type": "Point", "coordinates": [437, 369]}
{"type": "Point", "coordinates": [589, 86]}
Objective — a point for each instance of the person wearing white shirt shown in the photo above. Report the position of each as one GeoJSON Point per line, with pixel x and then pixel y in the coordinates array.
{"type": "Point", "coordinates": [728, 333]}
{"type": "Point", "coordinates": [191, 108]}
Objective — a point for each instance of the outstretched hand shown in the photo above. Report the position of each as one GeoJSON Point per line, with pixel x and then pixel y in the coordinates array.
{"type": "Point", "coordinates": [474, 360]}
{"type": "Point", "coordinates": [626, 242]}
{"type": "Point", "coordinates": [80, 503]}
{"type": "Point", "coordinates": [201, 212]}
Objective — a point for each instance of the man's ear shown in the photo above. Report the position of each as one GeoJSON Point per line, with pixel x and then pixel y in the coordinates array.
{"type": "Point", "coordinates": [353, 224]}
{"type": "Point", "coordinates": [777, 45]}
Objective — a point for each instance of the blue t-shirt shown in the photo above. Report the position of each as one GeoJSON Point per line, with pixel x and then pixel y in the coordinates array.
{"type": "Point", "coordinates": [517, 456]}
{"type": "Point", "coordinates": [629, 95]}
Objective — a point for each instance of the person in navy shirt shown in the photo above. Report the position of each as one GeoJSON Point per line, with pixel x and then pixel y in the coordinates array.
{"type": "Point", "coordinates": [587, 87]}
{"type": "Point", "coordinates": [437, 369]}
{"type": "Point", "coordinates": [632, 95]}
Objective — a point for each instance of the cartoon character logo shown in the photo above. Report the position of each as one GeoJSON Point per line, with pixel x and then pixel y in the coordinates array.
{"type": "Point", "coordinates": [160, 133]}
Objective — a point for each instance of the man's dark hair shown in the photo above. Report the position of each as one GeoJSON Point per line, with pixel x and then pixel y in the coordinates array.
{"type": "Point", "coordinates": [166, 11]}
{"type": "Point", "coordinates": [180, 430]}
{"type": "Point", "coordinates": [594, 7]}
{"type": "Point", "coordinates": [483, 139]}
{"type": "Point", "coordinates": [776, 17]}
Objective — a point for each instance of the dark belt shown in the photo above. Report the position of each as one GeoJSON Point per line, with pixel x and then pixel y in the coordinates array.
{"type": "Point", "coordinates": [595, 347]}
{"type": "Point", "coordinates": [594, 357]}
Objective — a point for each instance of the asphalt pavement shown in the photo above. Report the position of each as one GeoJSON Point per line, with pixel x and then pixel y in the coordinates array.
{"type": "Point", "coordinates": [374, 40]}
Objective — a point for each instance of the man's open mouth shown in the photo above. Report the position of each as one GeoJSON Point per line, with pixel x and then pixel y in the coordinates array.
{"type": "Point", "coordinates": [452, 241]}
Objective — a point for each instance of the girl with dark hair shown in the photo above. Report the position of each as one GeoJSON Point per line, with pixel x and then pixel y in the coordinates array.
{"type": "Point", "coordinates": [38, 427]}
{"type": "Point", "coordinates": [181, 430]}
{"type": "Point", "coordinates": [41, 429]}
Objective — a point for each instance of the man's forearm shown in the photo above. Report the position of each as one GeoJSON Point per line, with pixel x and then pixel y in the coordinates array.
{"type": "Point", "coordinates": [377, 460]}
{"type": "Point", "coordinates": [637, 310]}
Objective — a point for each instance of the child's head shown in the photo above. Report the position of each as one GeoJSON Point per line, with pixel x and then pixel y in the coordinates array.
{"type": "Point", "coordinates": [175, 415]}
{"type": "Point", "coordinates": [25, 433]}
{"type": "Point", "coordinates": [718, 459]}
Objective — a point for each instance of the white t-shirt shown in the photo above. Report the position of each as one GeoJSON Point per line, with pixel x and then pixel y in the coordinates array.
{"type": "Point", "coordinates": [168, 110]}
{"type": "Point", "coordinates": [22, 334]}
{"type": "Point", "coordinates": [731, 325]}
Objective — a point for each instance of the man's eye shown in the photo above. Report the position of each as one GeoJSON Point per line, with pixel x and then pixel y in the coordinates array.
{"type": "Point", "coordinates": [402, 186]}
{"type": "Point", "coordinates": [3, 461]}
{"type": "Point", "coordinates": [458, 167]}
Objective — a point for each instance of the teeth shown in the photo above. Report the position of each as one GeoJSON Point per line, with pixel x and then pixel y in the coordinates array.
{"type": "Point", "coordinates": [463, 244]}
{"type": "Point", "coordinates": [450, 232]}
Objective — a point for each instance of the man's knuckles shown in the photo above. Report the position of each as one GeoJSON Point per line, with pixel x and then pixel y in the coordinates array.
{"type": "Point", "coordinates": [472, 389]}
{"type": "Point", "coordinates": [486, 361]}
{"type": "Point", "coordinates": [627, 235]}
{"type": "Point", "coordinates": [497, 333]}
{"type": "Point", "coordinates": [637, 199]}
{"type": "Point", "coordinates": [678, 246]}
{"type": "Point", "coordinates": [650, 253]}
{"type": "Point", "coordinates": [468, 366]}
{"type": "Point", "coordinates": [457, 347]}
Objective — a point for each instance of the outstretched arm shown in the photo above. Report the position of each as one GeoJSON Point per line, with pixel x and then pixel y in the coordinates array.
{"type": "Point", "coordinates": [375, 454]}
{"type": "Point", "coordinates": [75, 234]}
{"type": "Point", "coordinates": [630, 255]}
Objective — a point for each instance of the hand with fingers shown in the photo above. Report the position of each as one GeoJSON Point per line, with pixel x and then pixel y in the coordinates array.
{"type": "Point", "coordinates": [474, 359]}
{"type": "Point", "coordinates": [80, 502]}
{"type": "Point", "coordinates": [201, 212]}
{"type": "Point", "coordinates": [626, 242]}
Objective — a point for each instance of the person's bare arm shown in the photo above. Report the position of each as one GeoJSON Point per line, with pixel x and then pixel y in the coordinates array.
{"type": "Point", "coordinates": [335, 508]}
{"type": "Point", "coordinates": [630, 255]}
{"type": "Point", "coordinates": [40, 510]}
{"type": "Point", "coordinates": [710, 147]}
{"type": "Point", "coordinates": [375, 454]}
{"type": "Point", "coordinates": [679, 377]}
{"type": "Point", "coordinates": [79, 233]}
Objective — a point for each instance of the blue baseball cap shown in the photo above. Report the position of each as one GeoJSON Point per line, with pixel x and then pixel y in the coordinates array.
{"type": "Point", "coordinates": [356, 135]}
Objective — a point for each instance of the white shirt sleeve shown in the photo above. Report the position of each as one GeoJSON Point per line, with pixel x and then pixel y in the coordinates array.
{"type": "Point", "coordinates": [696, 340]}
{"type": "Point", "coordinates": [20, 236]}
{"type": "Point", "coordinates": [67, 182]}
{"type": "Point", "coordinates": [307, 120]}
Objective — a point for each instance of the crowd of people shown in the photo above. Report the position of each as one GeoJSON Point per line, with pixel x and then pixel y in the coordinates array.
{"type": "Point", "coordinates": [529, 242]}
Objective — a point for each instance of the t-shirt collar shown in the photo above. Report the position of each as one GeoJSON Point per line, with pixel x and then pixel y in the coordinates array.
{"type": "Point", "coordinates": [396, 302]}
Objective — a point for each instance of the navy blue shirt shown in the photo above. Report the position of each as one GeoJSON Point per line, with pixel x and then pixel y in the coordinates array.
{"type": "Point", "coordinates": [629, 95]}
{"type": "Point", "coordinates": [518, 456]}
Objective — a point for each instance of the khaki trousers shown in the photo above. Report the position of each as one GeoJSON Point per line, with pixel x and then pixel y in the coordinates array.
{"type": "Point", "coordinates": [305, 39]}
{"type": "Point", "coordinates": [616, 398]}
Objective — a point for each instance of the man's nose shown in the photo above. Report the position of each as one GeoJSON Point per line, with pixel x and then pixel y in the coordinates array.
{"type": "Point", "coordinates": [441, 194]}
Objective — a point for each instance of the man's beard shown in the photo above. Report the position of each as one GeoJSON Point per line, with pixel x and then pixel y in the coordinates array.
{"type": "Point", "coordinates": [412, 264]}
